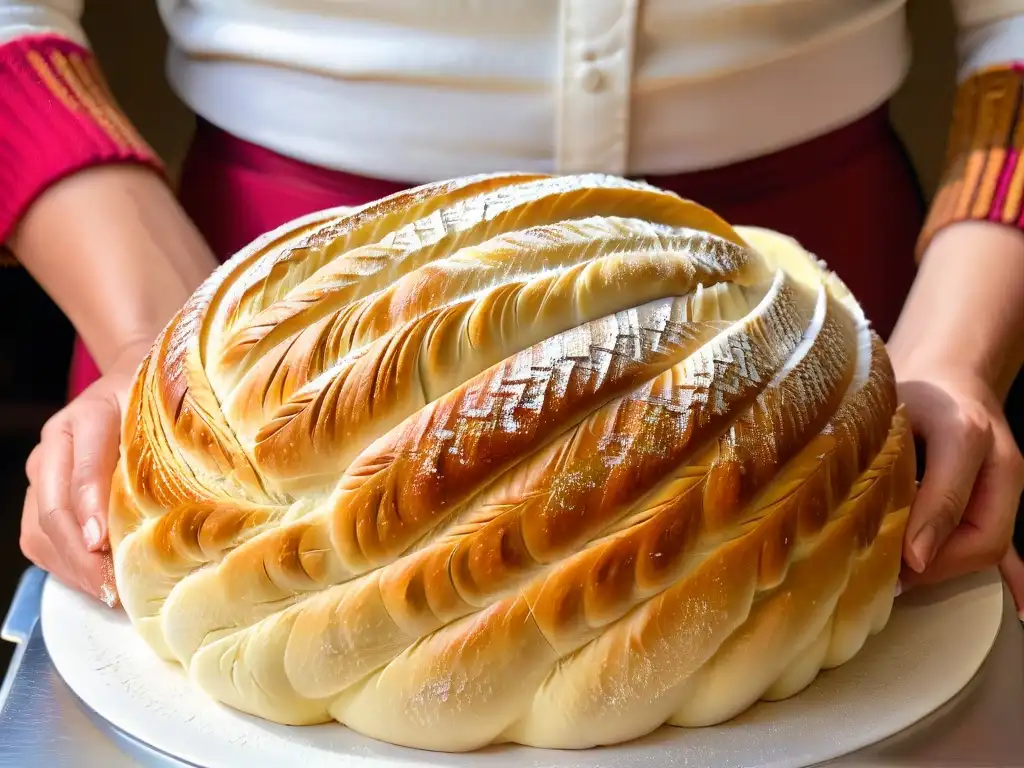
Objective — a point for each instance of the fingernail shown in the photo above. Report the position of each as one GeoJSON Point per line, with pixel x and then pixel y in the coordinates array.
{"type": "Point", "coordinates": [924, 546]}
{"type": "Point", "coordinates": [108, 595]}
{"type": "Point", "coordinates": [91, 532]}
{"type": "Point", "coordinates": [899, 589]}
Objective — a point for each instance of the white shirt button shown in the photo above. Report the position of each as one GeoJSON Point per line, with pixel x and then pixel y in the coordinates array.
{"type": "Point", "coordinates": [591, 79]}
{"type": "Point", "coordinates": [598, 38]}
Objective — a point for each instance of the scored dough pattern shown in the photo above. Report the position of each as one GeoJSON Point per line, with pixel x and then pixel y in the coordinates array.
{"type": "Point", "coordinates": [553, 461]}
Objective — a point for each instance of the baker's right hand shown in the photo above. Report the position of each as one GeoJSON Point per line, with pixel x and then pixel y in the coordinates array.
{"type": "Point", "coordinates": [64, 519]}
{"type": "Point", "coordinates": [115, 251]}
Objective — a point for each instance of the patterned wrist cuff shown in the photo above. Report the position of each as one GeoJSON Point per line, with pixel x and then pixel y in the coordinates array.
{"type": "Point", "coordinates": [983, 177]}
{"type": "Point", "coordinates": [57, 117]}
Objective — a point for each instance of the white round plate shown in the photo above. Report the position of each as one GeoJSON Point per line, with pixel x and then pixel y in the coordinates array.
{"type": "Point", "coordinates": [935, 642]}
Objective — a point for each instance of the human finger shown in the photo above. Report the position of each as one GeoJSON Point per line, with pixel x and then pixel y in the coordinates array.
{"type": "Point", "coordinates": [983, 537]}
{"type": "Point", "coordinates": [40, 550]}
{"type": "Point", "coordinates": [34, 543]}
{"type": "Point", "coordinates": [955, 449]}
{"type": "Point", "coordinates": [95, 443]}
{"type": "Point", "coordinates": [1012, 569]}
{"type": "Point", "coordinates": [74, 563]}
{"type": "Point", "coordinates": [32, 465]}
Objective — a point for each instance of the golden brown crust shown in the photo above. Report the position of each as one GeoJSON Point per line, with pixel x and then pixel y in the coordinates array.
{"type": "Point", "coordinates": [509, 458]}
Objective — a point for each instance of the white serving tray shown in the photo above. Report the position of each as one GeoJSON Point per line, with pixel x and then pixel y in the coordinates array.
{"type": "Point", "coordinates": [935, 642]}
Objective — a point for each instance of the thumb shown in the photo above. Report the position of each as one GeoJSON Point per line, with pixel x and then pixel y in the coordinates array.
{"type": "Point", "coordinates": [96, 440]}
{"type": "Point", "coordinates": [954, 454]}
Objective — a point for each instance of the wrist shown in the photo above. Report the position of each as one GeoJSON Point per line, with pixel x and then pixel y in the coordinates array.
{"type": "Point", "coordinates": [964, 313]}
{"type": "Point", "coordinates": [126, 361]}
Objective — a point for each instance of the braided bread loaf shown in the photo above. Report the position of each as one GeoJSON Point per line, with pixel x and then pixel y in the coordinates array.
{"type": "Point", "coordinates": [512, 458]}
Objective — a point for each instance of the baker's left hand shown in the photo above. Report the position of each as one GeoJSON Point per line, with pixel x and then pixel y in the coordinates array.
{"type": "Point", "coordinates": [955, 351]}
{"type": "Point", "coordinates": [962, 519]}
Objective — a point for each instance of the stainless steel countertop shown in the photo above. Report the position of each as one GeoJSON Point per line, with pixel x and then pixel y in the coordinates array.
{"type": "Point", "coordinates": [42, 724]}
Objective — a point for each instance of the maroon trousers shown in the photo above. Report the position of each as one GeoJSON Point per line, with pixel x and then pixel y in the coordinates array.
{"type": "Point", "coordinates": [850, 197]}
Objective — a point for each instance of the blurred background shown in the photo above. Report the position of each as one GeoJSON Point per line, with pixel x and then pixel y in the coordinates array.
{"type": "Point", "coordinates": [35, 339]}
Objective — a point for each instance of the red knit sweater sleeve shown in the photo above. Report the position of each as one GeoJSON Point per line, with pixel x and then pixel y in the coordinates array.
{"type": "Point", "coordinates": [57, 116]}
{"type": "Point", "coordinates": [983, 173]}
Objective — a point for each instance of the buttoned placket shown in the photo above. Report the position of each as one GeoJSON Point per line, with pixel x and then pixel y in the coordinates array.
{"type": "Point", "coordinates": [594, 86]}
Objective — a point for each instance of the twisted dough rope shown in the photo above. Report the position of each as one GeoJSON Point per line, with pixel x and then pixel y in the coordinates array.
{"type": "Point", "coordinates": [553, 461]}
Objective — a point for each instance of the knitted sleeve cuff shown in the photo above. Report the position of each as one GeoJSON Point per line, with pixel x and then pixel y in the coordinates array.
{"type": "Point", "coordinates": [983, 175]}
{"type": "Point", "coordinates": [57, 116]}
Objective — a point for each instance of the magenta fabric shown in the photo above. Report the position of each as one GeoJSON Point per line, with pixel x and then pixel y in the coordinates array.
{"type": "Point", "coordinates": [850, 197]}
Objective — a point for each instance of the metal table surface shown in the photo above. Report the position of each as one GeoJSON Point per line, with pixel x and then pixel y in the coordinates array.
{"type": "Point", "coordinates": [43, 724]}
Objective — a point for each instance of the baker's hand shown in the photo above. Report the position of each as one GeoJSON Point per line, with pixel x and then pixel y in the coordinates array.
{"type": "Point", "coordinates": [115, 251]}
{"type": "Point", "coordinates": [956, 349]}
{"type": "Point", "coordinates": [962, 519]}
{"type": "Point", "coordinates": [64, 520]}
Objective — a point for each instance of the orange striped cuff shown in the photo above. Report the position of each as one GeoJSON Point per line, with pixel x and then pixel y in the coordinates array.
{"type": "Point", "coordinates": [57, 117]}
{"type": "Point", "coordinates": [983, 176]}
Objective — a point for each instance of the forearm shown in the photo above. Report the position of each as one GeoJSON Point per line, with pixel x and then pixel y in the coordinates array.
{"type": "Point", "coordinates": [84, 206]}
{"type": "Point", "coordinates": [115, 251]}
{"type": "Point", "coordinates": [966, 308]}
